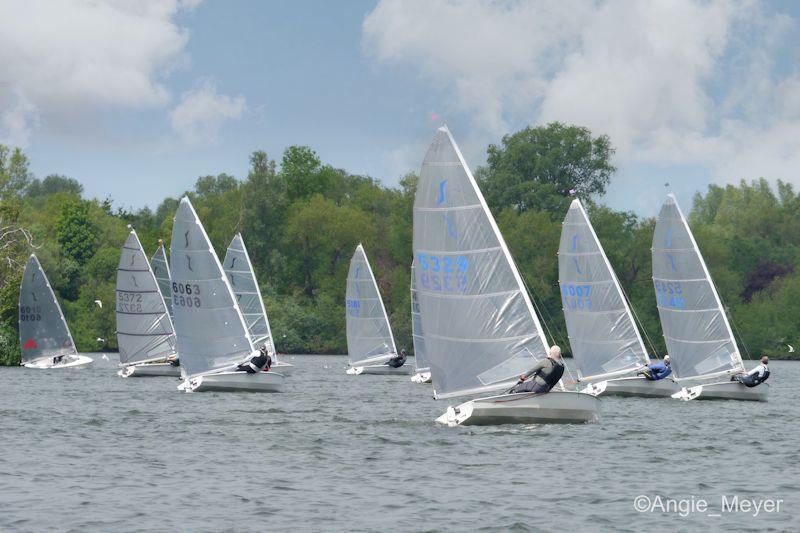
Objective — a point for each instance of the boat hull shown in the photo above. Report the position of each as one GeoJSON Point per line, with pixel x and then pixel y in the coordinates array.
{"type": "Point", "coordinates": [733, 390]}
{"type": "Point", "coordinates": [150, 370]}
{"type": "Point", "coordinates": [74, 361]}
{"type": "Point", "coordinates": [282, 367]}
{"type": "Point", "coordinates": [640, 387]}
{"type": "Point", "coordinates": [421, 377]}
{"type": "Point", "coordinates": [235, 382]}
{"type": "Point", "coordinates": [555, 407]}
{"type": "Point", "coordinates": [379, 370]}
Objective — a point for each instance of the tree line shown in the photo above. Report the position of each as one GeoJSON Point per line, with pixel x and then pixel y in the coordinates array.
{"type": "Point", "coordinates": [302, 218]}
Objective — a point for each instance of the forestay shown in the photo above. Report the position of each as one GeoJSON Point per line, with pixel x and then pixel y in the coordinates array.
{"type": "Point", "coordinates": [210, 328]}
{"type": "Point", "coordinates": [697, 333]}
{"type": "Point", "coordinates": [481, 331]}
{"type": "Point", "coordinates": [161, 270]}
{"type": "Point", "coordinates": [603, 336]}
{"type": "Point", "coordinates": [417, 335]}
{"type": "Point", "coordinates": [43, 331]}
{"type": "Point", "coordinates": [369, 335]}
{"type": "Point", "coordinates": [239, 269]}
{"type": "Point", "coordinates": [144, 327]}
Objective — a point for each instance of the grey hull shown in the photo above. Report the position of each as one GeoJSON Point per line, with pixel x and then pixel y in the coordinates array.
{"type": "Point", "coordinates": [734, 390]}
{"type": "Point", "coordinates": [72, 361]}
{"type": "Point", "coordinates": [150, 370]}
{"type": "Point", "coordinates": [639, 386]}
{"type": "Point", "coordinates": [380, 370]}
{"type": "Point", "coordinates": [235, 382]}
{"type": "Point", "coordinates": [525, 408]}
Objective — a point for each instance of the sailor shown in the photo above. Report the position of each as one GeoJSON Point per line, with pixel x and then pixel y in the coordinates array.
{"type": "Point", "coordinates": [544, 375]}
{"type": "Point", "coordinates": [755, 377]}
{"type": "Point", "coordinates": [58, 359]}
{"type": "Point", "coordinates": [261, 362]}
{"type": "Point", "coordinates": [174, 360]}
{"type": "Point", "coordinates": [398, 360]}
{"type": "Point", "coordinates": [656, 371]}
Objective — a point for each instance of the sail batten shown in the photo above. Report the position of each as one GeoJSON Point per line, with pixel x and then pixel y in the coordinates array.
{"type": "Point", "coordinates": [480, 329]}
{"type": "Point", "coordinates": [210, 329]}
{"type": "Point", "coordinates": [43, 330]}
{"type": "Point", "coordinates": [242, 277]}
{"type": "Point", "coordinates": [602, 333]}
{"type": "Point", "coordinates": [699, 338]}
{"type": "Point", "coordinates": [144, 327]}
{"type": "Point", "coordinates": [369, 334]}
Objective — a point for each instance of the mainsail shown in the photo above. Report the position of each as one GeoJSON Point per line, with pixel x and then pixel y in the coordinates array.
{"type": "Point", "coordinates": [481, 331]}
{"type": "Point", "coordinates": [144, 328]}
{"type": "Point", "coordinates": [242, 278]}
{"type": "Point", "coordinates": [161, 270]}
{"type": "Point", "coordinates": [210, 328]}
{"type": "Point", "coordinates": [698, 336]}
{"type": "Point", "coordinates": [417, 336]}
{"type": "Point", "coordinates": [603, 336]}
{"type": "Point", "coordinates": [43, 331]}
{"type": "Point", "coordinates": [369, 335]}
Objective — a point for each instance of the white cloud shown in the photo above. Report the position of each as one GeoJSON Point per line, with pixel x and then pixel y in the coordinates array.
{"type": "Point", "coordinates": [201, 113]}
{"type": "Point", "coordinates": [75, 57]}
{"type": "Point", "coordinates": [683, 82]}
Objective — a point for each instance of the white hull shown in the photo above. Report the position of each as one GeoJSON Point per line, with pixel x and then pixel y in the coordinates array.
{"type": "Point", "coordinates": [150, 369]}
{"type": "Point", "coordinates": [637, 386]}
{"type": "Point", "coordinates": [379, 370]}
{"type": "Point", "coordinates": [726, 390]}
{"type": "Point", "coordinates": [71, 361]}
{"type": "Point", "coordinates": [525, 408]}
{"type": "Point", "coordinates": [421, 377]}
{"type": "Point", "coordinates": [282, 367]}
{"type": "Point", "coordinates": [235, 382]}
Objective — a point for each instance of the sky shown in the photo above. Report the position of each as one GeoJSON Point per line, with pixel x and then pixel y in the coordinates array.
{"type": "Point", "coordinates": [136, 100]}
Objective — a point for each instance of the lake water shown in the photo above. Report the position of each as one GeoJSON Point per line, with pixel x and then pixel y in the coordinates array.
{"type": "Point", "coordinates": [83, 450]}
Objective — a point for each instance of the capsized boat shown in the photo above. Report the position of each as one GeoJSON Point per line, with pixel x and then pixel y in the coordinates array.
{"type": "Point", "coordinates": [606, 344]}
{"type": "Point", "coordinates": [242, 277]}
{"type": "Point", "coordinates": [145, 334]}
{"type": "Point", "coordinates": [209, 326]}
{"type": "Point", "coordinates": [422, 371]}
{"type": "Point", "coordinates": [44, 337]}
{"type": "Point", "coordinates": [370, 343]}
{"type": "Point", "coordinates": [160, 267]}
{"type": "Point", "coordinates": [481, 331]}
{"type": "Point", "coordinates": [698, 335]}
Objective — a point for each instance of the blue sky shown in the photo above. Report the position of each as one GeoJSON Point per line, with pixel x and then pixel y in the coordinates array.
{"type": "Point", "coordinates": [138, 100]}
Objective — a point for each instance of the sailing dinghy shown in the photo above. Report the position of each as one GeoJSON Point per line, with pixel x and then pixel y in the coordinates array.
{"type": "Point", "coordinates": [481, 332]}
{"type": "Point", "coordinates": [606, 344]}
{"type": "Point", "coordinates": [370, 343]}
{"type": "Point", "coordinates": [696, 329]}
{"type": "Point", "coordinates": [211, 331]}
{"type": "Point", "coordinates": [145, 334]}
{"type": "Point", "coordinates": [422, 371]}
{"type": "Point", "coordinates": [44, 337]}
{"type": "Point", "coordinates": [160, 267]}
{"type": "Point", "coordinates": [242, 277]}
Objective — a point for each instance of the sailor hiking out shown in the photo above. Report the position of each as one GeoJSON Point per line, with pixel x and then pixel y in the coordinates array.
{"type": "Point", "coordinates": [260, 363]}
{"type": "Point", "coordinates": [657, 371]}
{"type": "Point", "coordinates": [544, 375]}
{"type": "Point", "coordinates": [755, 377]}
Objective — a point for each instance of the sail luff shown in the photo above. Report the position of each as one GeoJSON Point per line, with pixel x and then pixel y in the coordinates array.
{"type": "Point", "coordinates": [160, 267]}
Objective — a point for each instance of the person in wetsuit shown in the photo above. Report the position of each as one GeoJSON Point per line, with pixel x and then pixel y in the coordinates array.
{"type": "Point", "coordinates": [544, 375]}
{"type": "Point", "coordinates": [260, 363]}
{"type": "Point", "coordinates": [656, 371]}
{"type": "Point", "coordinates": [755, 377]}
{"type": "Point", "coordinates": [398, 360]}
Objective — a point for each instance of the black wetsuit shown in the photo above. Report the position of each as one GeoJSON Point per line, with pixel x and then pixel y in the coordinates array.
{"type": "Point", "coordinates": [397, 361]}
{"type": "Point", "coordinates": [256, 364]}
{"type": "Point", "coordinates": [545, 375]}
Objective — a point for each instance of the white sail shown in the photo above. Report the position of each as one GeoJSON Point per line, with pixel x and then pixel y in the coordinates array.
{"type": "Point", "coordinates": [211, 331]}
{"type": "Point", "coordinates": [697, 333]}
{"type": "Point", "coordinates": [43, 330]}
{"type": "Point", "coordinates": [242, 278]}
{"type": "Point", "coordinates": [144, 328]}
{"type": "Point", "coordinates": [417, 335]}
{"type": "Point", "coordinates": [369, 335]}
{"type": "Point", "coordinates": [481, 331]}
{"type": "Point", "coordinates": [604, 338]}
{"type": "Point", "coordinates": [160, 267]}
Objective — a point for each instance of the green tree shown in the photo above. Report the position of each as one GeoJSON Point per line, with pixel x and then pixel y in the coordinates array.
{"type": "Point", "coordinates": [14, 172]}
